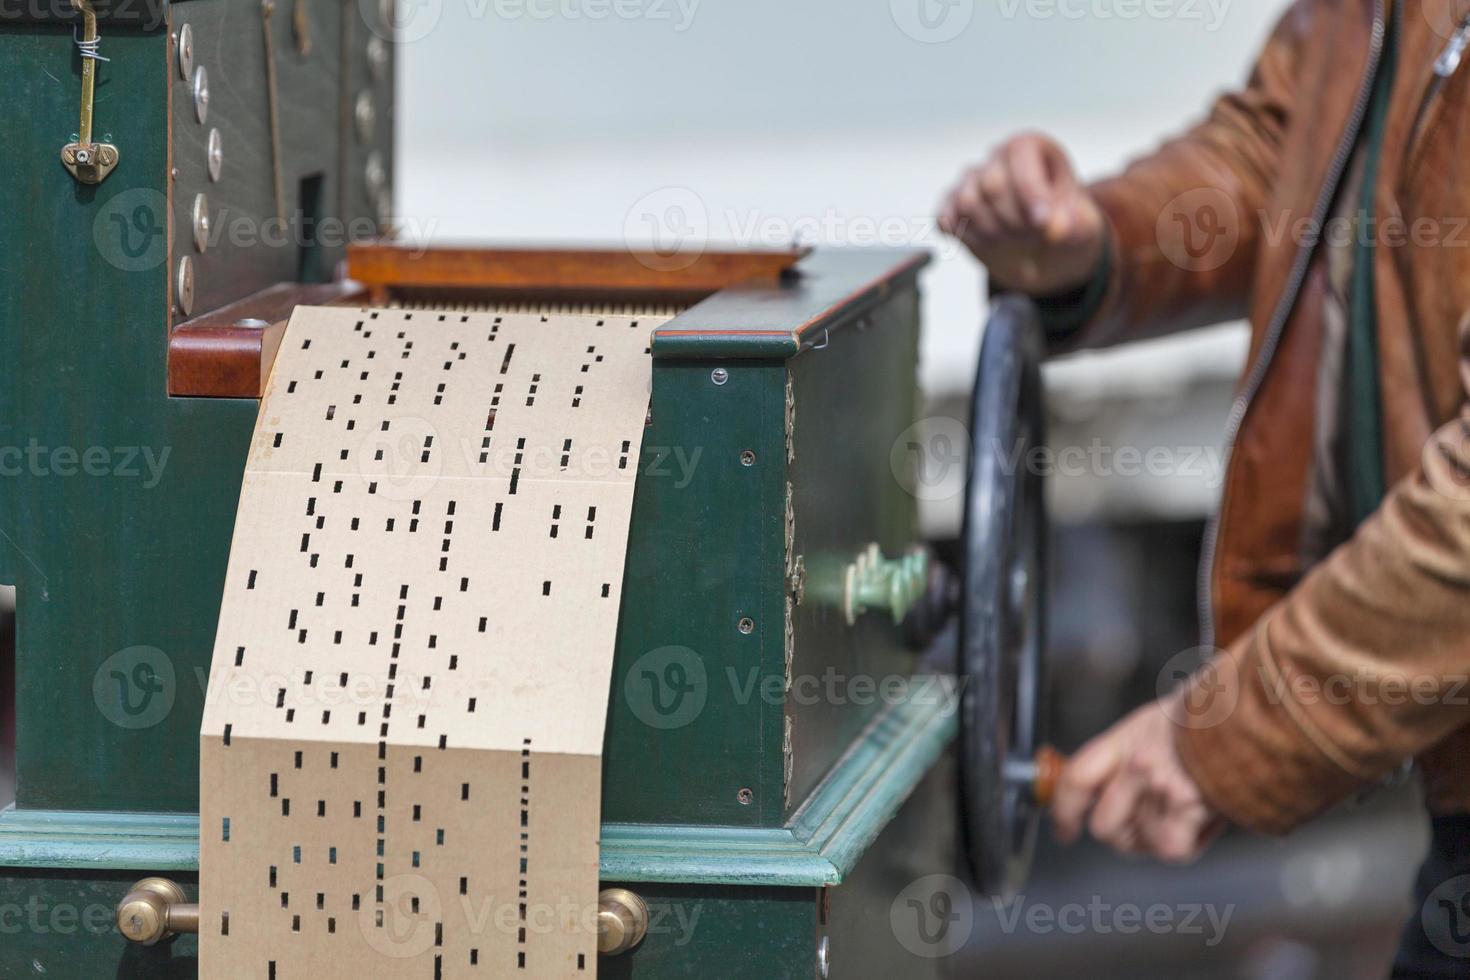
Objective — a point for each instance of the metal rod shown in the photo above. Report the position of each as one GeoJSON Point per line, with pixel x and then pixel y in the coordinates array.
{"type": "Point", "coordinates": [89, 71]}
{"type": "Point", "coordinates": [183, 917]}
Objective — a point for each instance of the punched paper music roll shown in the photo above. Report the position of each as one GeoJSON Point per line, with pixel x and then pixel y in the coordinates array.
{"type": "Point", "coordinates": [401, 747]}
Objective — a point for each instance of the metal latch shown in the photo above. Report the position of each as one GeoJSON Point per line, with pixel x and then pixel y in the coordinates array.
{"type": "Point", "coordinates": [88, 161]}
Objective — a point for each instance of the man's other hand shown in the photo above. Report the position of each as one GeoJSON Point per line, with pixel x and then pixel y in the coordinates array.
{"type": "Point", "coordinates": [1024, 214]}
{"type": "Point", "coordinates": [1134, 794]}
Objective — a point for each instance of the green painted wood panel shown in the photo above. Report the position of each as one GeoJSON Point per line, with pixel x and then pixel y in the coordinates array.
{"type": "Point", "coordinates": [686, 730]}
{"type": "Point", "coordinates": [117, 502]}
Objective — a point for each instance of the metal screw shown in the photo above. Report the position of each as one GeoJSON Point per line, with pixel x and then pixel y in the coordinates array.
{"type": "Point", "coordinates": [824, 957]}
{"type": "Point", "coordinates": [216, 154]}
{"type": "Point", "coordinates": [719, 376]}
{"type": "Point", "coordinates": [365, 115]}
{"type": "Point", "coordinates": [186, 52]}
{"type": "Point", "coordinates": [374, 173]}
{"type": "Point", "coordinates": [201, 222]}
{"type": "Point", "coordinates": [201, 94]}
{"type": "Point", "coordinates": [746, 625]}
{"type": "Point", "coordinates": [747, 457]}
{"type": "Point", "coordinates": [251, 323]}
{"type": "Point", "coordinates": [184, 286]}
{"type": "Point", "coordinates": [745, 795]}
{"type": "Point", "coordinates": [377, 57]}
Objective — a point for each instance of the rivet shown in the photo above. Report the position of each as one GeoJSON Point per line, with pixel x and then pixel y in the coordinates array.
{"type": "Point", "coordinates": [719, 376]}
{"type": "Point", "coordinates": [184, 286]}
{"type": "Point", "coordinates": [377, 58]}
{"type": "Point", "coordinates": [745, 796]}
{"type": "Point", "coordinates": [364, 114]}
{"type": "Point", "coordinates": [185, 41]}
{"type": "Point", "coordinates": [216, 154]}
{"type": "Point", "coordinates": [746, 625]}
{"type": "Point", "coordinates": [374, 173]}
{"type": "Point", "coordinates": [201, 222]}
{"type": "Point", "coordinates": [201, 94]}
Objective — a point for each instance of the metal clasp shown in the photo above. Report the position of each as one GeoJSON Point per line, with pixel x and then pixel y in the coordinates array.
{"type": "Point", "coordinates": [88, 161]}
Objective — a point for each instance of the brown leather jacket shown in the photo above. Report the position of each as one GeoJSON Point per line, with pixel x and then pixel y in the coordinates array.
{"type": "Point", "coordinates": [1336, 668]}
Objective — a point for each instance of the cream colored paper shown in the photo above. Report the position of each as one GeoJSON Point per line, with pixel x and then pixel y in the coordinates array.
{"type": "Point", "coordinates": [401, 747]}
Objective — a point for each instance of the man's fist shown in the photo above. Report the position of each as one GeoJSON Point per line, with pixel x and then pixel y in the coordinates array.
{"type": "Point", "coordinates": [1139, 795]}
{"type": "Point", "coordinates": [1026, 217]}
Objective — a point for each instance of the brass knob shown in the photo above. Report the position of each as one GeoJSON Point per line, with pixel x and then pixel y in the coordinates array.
{"type": "Point", "coordinates": [155, 909]}
{"type": "Point", "coordinates": [622, 921]}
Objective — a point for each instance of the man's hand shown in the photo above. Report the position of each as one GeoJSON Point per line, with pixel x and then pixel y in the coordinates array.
{"type": "Point", "coordinates": [1024, 214]}
{"type": "Point", "coordinates": [1141, 799]}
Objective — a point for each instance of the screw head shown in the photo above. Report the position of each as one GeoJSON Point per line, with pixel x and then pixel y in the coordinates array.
{"type": "Point", "coordinates": [374, 172]}
{"type": "Point", "coordinates": [216, 154]}
{"type": "Point", "coordinates": [745, 796]}
{"type": "Point", "coordinates": [186, 52]}
{"type": "Point", "coordinates": [746, 625]}
{"type": "Point", "coordinates": [377, 58]}
{"type": "Point", "coordinates": [201, 222]}
{"type": "Point", "coordinates": [719, 376]}
{"type": "Point", "coordinates": [747, 457]}
{"type": "Point", "coordinates": [201, 94]}
{"type": "Point", "coordinates": [184, 286]}
{"type": "Point", "coordinates": [365, 116]}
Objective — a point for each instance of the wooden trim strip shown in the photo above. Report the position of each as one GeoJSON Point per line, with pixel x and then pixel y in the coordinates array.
{"type": "Point", "coordinates": [218, 355]}
{"type": "Point", "coordinates": [387, 267]}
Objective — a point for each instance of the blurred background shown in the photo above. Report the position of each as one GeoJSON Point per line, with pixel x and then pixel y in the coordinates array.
{"type": "Point", "coordinates": [842, 122]}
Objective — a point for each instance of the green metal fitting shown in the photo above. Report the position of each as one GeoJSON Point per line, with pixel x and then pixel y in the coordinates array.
{"type": "Point", "coordinates": [891, 584]}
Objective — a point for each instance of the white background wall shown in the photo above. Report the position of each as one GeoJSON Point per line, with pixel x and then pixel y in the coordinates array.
{"type": "Point", "coordinates": [747, 120]}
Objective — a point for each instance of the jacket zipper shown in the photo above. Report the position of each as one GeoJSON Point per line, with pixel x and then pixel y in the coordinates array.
{"type": "Point", "coordinates": [1445, 67]}
{"type": "Point", "coordinates": [1277, 324]}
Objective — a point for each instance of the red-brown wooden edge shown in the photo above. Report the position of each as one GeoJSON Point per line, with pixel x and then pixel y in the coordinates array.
{"type": "Point", "coordinates": [215, 356]}
{"type": "Point", "coordinates": [385, 267]}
